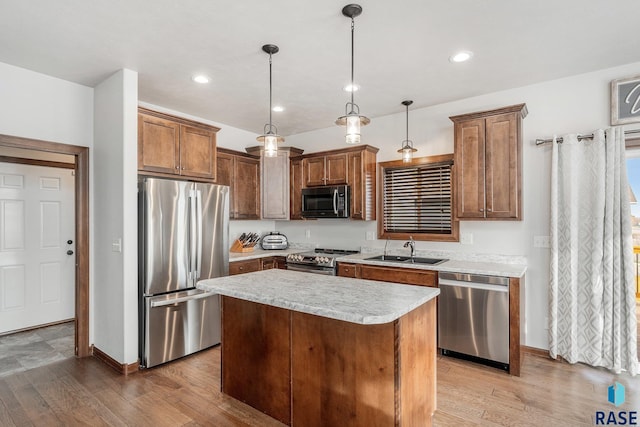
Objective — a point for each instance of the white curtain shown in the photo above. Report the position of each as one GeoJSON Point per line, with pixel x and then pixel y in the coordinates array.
{"type": "Point", "coordinates": [592, 292]}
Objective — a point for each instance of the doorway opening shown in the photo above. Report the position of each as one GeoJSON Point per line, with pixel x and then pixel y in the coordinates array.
{"type": "Point", "coordinates": [81, 168]}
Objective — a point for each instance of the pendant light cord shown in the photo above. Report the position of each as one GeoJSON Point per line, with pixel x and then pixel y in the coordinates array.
{"type": "Point", "coordinates": [407, 123]}
{"type": "Point", "coordinates": [353, 89]}
{"type": "Point", "coordinates": [270, 91]}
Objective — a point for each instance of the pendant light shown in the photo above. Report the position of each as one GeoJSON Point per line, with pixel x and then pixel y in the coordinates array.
{"type": "Point", "coordinates": [352, 118]}
{"type": "Point", "coordinates": [407, 149]}
{"type": "Point", "coordinates": [270, 137]}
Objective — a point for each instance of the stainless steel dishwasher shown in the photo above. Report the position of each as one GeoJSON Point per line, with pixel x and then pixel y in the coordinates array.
{"type": "Point", "coordinates": [473, 317]}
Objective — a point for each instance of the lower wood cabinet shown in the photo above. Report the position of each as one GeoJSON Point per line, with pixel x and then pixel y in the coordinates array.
{"type": "Point", "coordinates": [407, 276]}
{"type": "Point", "coordinates": [247, 266]}
{"type": "Point", "coordinates": [257, 264]}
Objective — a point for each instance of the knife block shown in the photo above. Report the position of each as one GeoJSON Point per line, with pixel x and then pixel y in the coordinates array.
{"type": "Point", "coordinates": [238, 247]}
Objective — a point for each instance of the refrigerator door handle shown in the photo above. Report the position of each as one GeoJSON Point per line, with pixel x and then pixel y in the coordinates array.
{"type": "Point", "coordinates": [198, 263]}
{"type": "Point", "coordinates": [176, 301]}
{"type": "Point", "coordinates": [193, 208]}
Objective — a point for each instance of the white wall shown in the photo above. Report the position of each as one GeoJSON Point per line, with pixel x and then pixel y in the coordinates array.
{"type": "Point", "coordinates": [578, 104]}
{"type": "Point", "coordinates": [115, 289]}
{"type": "Point", "coordinates": [37, 106]}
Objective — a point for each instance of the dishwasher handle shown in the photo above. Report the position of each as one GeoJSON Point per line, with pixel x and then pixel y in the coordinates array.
{"type": "Point", "coordinates": [473, 285]}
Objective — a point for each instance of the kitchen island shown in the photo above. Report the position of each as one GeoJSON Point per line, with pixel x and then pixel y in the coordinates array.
{"type": "Point", "coordinates": [314, 350]}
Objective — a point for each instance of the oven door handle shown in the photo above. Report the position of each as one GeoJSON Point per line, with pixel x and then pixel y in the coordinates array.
{"type": "Point", "coordinates": [330, 272]}
{"type": "Point", "coordinates": [335, 201]}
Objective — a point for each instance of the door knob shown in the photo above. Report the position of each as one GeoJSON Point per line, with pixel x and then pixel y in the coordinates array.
{"type": "Point", "coordinates": [69, 252]}
{"type": "Point", "coordinates": [69, 242]}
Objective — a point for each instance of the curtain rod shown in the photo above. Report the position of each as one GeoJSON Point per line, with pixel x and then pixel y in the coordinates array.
{"type": "Point", "coordinates": [581, 137]}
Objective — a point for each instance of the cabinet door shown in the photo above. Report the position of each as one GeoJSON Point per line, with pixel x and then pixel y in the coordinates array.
{"type": "Point", "coordinates": [295, 185]}
{"type": "Point", "coordinates": [268, 263]}
{"type": "Point", "coordinates": [224, 173]}
{"type": "Point", "coordinates": [197, 152]}
{"type": "Point", "coordinates": [470, 166]}
{"type": "Point", "coordinates": [158, 145]}
{"type": "Point", "coordinates": [281, 262]}
{"type": "Point", "coordinates": [502, 166]}
{"type": "Point", "coordinates": [355, 182]}
{"type": "Point", "coordinates": [275, 176]}
{"type": "Point", "coordinates": [336, 169]}
{"type": "Point", "coordinates": [314, 171]}
{"type": "Point", "coordinates": [347, 270]}
{"type": "Point", "coordinates": [246, 182]}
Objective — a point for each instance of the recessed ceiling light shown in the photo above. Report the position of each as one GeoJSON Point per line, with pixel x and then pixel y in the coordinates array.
{"type": "Point", "coordinates": [200, 78]}
{"type": "Point", "coordinates": [465, 55]}
{"type": "Point", "coordinates": [351, 88]}
{"type": "Point", "coordinates": [278, 108]}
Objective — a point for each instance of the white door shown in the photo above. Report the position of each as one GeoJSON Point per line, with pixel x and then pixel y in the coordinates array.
{"type": "Point", "coordinates": [37, 247]}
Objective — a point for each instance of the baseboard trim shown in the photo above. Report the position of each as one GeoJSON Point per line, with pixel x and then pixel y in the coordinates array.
{"type": "Point", "coordinates": [121, 368]}
{"type": "Point", "coordinates": [542, 353]}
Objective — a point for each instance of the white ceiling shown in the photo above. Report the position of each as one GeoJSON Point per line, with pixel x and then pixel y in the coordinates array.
{"type": "Point", "coordinates": [401, 50]}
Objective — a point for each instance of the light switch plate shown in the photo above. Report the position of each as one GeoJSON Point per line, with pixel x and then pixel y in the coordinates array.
{"type": "Point", "coordinates": [371, 235]}
{"type": "Point", "coordinates": [541, 241]}
{"type": "Point", "coordinates": [307, 234]}
{"type": "Point", "coordinates": [116, 245]}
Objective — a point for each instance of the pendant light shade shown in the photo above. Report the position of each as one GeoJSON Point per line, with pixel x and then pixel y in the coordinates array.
{"type": "Point", "coordinates": [352, 118]}
{"type": "Point", "coordinates": [270, 138]}
{"type": "Point", "coordinates": [407, 149]}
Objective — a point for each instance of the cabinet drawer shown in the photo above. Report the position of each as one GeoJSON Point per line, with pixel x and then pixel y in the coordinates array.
{"type": "Point", "coordinates": [407, 276]}
{"type": "Point", "coordinates": [239, 267]}
{"type": "Point", "coordinates": [347, 270]}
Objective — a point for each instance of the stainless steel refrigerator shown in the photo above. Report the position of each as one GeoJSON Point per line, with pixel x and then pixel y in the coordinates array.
{"type": "Point", "coordinates": [183, 237]}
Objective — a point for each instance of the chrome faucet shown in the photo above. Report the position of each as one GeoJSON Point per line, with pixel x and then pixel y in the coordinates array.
{"type": "Point", "coordinates": [385, 248]}
{"type": "Point", "coordinates": [411, 244]}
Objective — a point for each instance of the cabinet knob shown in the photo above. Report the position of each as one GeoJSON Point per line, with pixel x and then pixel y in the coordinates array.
{"type": "Point", "coordinates": [481, 210]}
{"type": "Point", "coordinates": [488, 210]}
{"type": "Point", "coordinates": [177, 167]}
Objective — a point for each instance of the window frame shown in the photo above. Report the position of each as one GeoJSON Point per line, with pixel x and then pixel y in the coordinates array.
{"type": "Point", "coordinates": [418, 161]}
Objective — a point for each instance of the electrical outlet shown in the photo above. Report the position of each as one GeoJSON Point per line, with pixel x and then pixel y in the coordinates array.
{"type": "Point", "coordinates": [371, 235]}
{"type": "Point", "coordinates": [541, 241]}
{"type": "Point", "coordinates": [116, 245]}
{"type": "Point", "coordinates": [307, 234]}
{"type": "Point", "coordinates": [466, 239]}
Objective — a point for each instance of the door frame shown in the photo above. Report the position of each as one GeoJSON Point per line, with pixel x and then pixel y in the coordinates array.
{"type": "Point", "coordinates": [81, 154]}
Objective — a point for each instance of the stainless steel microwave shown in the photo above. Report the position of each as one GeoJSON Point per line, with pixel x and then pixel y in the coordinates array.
{"type": "Point", "coordinates": [326, 202]}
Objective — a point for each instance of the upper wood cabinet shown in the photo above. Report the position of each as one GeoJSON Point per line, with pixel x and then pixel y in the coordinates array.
{"type": "Point", "coordinates": [362, 179]}
{"type": "Point", "coordinates": [296, 178]}
{"type": "Point", "coordinates": [488, 163]}
{"type": "Point", "coordinates": [169, 145]}
{"type": "Point", "coordinates": [354, 166]}
{"type": "Point", "coordinates": [241, 172]}
{"type": "Point", "coordinates": [275, 177]}
{"type": "Point", "coordinates": [328, 169]}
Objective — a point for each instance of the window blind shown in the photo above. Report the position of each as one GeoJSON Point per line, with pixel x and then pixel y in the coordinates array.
{"type": "Point", "coordinates": [417, 199]}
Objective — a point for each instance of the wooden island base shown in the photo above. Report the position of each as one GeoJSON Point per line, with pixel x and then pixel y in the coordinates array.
{"type": "Point", "coordinates": [308, 370]}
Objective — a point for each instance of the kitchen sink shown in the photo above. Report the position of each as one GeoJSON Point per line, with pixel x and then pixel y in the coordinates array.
{"type": "Point", "coordinates": [407, 260]}
{"type": "Point", "coordinates": [393, 258]}
{"type": "Point", "coordinates": [431, 261]}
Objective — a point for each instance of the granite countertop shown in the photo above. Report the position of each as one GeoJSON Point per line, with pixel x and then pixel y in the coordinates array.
{"type": "Point", "coordinates": [452, 266]}
{"type": "Point", "coordinates": [262, 253]}
{"type": "Point", "coordinates": [366, 302]}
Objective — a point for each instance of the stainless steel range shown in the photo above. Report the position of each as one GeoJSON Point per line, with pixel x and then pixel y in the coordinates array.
{"type": "Point", "coordinates": [320, 261]}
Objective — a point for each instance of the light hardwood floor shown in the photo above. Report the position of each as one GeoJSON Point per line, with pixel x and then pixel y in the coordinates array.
{"type": "Point", "coordinates": [186, 393]}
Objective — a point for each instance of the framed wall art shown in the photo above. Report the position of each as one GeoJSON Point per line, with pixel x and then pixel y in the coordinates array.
{"type": "Point", "coordinates": [625, 100]}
